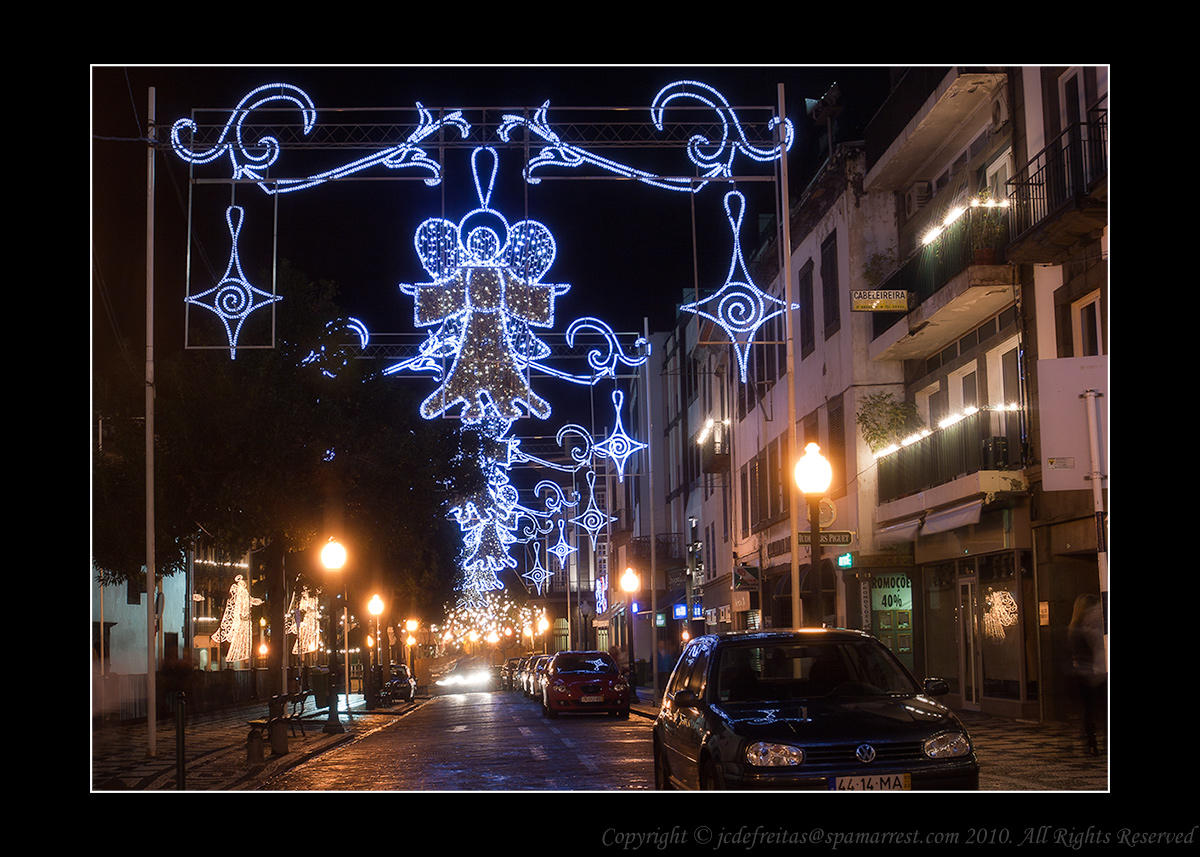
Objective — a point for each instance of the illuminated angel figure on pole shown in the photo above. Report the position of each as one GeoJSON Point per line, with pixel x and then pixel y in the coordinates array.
{"type": "Point", "coordinates": [484, 297]}
{"type": "Point", "coordinates": [235, 624]}
{"type": "Point", "coordinates": [303, 620]}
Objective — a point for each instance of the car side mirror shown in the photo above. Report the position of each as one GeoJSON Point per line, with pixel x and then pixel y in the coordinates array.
{"type": "Point", "coordinates": [936, 687]}
{"type": "Point", "coordinates": [685, 699]}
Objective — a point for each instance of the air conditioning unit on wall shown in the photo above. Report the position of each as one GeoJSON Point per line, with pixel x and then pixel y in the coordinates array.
{"type": "Point", "coordinates": [915, 197]}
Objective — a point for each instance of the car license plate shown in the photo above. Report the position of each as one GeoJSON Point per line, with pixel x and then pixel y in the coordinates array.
{"type": "Point", "coordinates": [878, 783]}
{"type": "Point", "coordinates": [591, 699]}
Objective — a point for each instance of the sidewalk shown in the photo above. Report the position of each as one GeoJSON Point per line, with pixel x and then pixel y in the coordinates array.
{"type": "Point", "coordinates": [215, 756]}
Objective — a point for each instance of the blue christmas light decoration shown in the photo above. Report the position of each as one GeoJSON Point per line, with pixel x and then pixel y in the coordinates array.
{"type": "Point", "coordinates": [485, 295]}
{"type": "Point", "coordinates": [714, 158]}
{"type": "Point", "coordinates": [592, 520]}
{"type": "Point", "coordinates": [739, 306]}
{"type": "Point", "coordinates": [320, 355]}
{"type": "Point", "coordinates": [233, 298]}
{"type": "Point", "coordinates": [563, 548]}
{"type": "Point", "coordinates": [253, 163]}
{"type": "Point", "coordinates": [619, 446]}
{"type": "Point", "coordinates": [538, 576]}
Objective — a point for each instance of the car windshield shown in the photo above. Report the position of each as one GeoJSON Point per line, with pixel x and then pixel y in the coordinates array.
{"type": "Point", "coordinates": [585, 662]}
{"type": "Point", "coordinates": [773, 671]}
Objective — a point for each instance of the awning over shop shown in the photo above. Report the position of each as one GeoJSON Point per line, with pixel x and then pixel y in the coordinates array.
{"type": "Point", "coordinates": [895, 534]}
{"type": "Point", "coordinates": [949, 519]}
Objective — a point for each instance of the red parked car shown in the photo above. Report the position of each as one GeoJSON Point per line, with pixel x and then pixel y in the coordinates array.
{"type": "Point", "coordinates": [584, 681]}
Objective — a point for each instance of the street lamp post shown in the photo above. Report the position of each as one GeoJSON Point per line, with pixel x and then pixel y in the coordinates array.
{"type": "Point", "coordinates": [813, 474]}
{"type": "Point", "coordinates": [375, 607]}
{"type": "Point", "coordinates": [630, 583]}
{"type": "Point", "coordinates": [411, 626]}
{"type": "Point", "coordinates": [333, 557]}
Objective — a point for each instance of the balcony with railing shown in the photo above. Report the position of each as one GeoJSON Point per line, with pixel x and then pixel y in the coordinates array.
{"type": "Point", "coordinates": [1060, 198]}
{"type": "Point", "coordinates": [956, 280]}
{"type": "Point", "coordinates": [953, 457]}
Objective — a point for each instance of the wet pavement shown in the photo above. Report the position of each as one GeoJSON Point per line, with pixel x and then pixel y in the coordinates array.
{"type": "Point", "coordinates": [1014, 755]}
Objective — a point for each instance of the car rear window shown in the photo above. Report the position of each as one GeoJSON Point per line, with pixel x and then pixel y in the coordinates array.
{"type": "Point", "coordinates": [597, 662]}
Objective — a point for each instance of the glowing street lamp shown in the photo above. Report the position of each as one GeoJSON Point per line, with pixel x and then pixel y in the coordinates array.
{"type": "Point", "coordinates": [631, 583]}
{"type": "Point", "coordinates": [813, 474]}
{"type": "Point", "coordinates": [375, 607]}
{"type": "Point", "coordinates": [333, 557]}
{"type": "Point", "coordinates": [411, 625]}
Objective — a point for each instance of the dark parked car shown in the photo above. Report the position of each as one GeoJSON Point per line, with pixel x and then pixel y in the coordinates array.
{"type": "Point", "coordinates": [508, 673]}
{"type": "Point", "coordinates": [400, 686]}
{"type": "Point", "coordinates": [533, 676]}
{"type": "Point", "coordinates": [584, 681]}
{"type": "Point", "coordinates": [815, 708]}
{"type": "Point", "coordinates": [519, 672]}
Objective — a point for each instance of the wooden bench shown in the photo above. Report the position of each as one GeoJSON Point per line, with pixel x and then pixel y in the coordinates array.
{"type": "Point", "coordinates": [295, 714]}
{"type": "Point", "coordinates": [270, 728]}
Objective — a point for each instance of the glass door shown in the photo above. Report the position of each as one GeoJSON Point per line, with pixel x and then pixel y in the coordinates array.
{"type": "Point", "coordinates": [968, 653]}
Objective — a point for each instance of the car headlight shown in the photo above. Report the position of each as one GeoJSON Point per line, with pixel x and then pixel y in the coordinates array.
{"type": "Point", "coordinates": [947, 746]}
{"type": "Point", "coordinates": [762, 754]}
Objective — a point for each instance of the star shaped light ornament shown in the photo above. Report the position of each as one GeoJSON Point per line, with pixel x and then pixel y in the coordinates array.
{"type": "Point", "coordinates": [538, 576]}
{"type": "Point", "coordinates": [619, 446]}
{"type": "Point", "coordinates": [233, 298]}
{"type": "Point", "coordinates": [592, 520]}
{"type": "Point", "coordinates": [563, 549]}
{"type": "Point", "coordinates": [739, 306]}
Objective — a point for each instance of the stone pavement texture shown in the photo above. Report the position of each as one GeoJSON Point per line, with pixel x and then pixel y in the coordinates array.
{"type": "Point", "coordinates": [1014, 755]}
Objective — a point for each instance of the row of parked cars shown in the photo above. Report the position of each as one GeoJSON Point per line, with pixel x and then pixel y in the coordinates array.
{"type": "Point", "coordinates": [569, 682]}
{"type": "Point", "coordinates": [809, 708]}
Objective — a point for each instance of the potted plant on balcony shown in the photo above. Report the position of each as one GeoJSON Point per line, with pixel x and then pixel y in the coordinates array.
{"type": "Point", "coordinates": [882, 421]}
{"type": "Point", "coordinates": [879, 266]}
{"type": "Point", "coordinates": [989, 226]}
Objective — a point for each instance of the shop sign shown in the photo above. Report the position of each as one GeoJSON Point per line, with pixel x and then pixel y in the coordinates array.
{"type": "Point", "coordinates": [891, 592]}
{"type": "Point", "coordinates": [828, 537]}
{"type": "Point", "coordinates": [878, 300]}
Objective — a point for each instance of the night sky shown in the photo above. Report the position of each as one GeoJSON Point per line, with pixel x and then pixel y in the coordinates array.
{"type": "Point", "coordinates": [626, 249]}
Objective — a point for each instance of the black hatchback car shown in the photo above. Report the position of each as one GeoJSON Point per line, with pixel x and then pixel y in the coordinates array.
{"type": "Point", "coordinates": [814, 708]}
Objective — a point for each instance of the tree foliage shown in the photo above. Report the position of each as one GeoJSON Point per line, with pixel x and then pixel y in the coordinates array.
{"type": "Point", "coordinates": [269, 449]}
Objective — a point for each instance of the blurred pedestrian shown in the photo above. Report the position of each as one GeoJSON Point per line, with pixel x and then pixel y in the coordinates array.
{"type": "Point", "coordinates": [1085, 636]}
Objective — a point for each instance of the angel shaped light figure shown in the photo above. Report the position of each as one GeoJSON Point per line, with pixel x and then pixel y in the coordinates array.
{"type": "Point", "coordinates": [235, 624]}
{"type": "Point", "coordinates": [485, 295]}
{"type": "Point", "coordinates": [303, 620]}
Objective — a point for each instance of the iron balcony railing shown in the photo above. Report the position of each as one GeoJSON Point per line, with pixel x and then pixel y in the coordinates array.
{"type": "Point", "coordinates": [988, 439]}
{"type": "Point", "coordinates": [977, 236]}
{"type": "Point", "coordinates": [1064, 171]}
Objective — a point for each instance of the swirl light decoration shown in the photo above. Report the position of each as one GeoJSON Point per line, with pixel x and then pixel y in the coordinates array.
{"type": "Point", "coordinates": [538, 576]}
{"type": "Point", "coordinates": [619, 446]}
{"type": "Point", "coordinates": [714, 158]}
{"type": "Point", "coordinates": [592, 520]}
{"type": "Point", "coordinates": [233, 298]}
{"type": "Point", "coordinates": [562, 549]}
{"type": "Point", "coordinates": [253, 162]}
{"type": "Point", "coordinates": [739, 306]}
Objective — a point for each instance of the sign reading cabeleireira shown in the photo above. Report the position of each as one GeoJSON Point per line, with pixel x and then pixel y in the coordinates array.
{"type": "Point", "coordinates": [879, 300]}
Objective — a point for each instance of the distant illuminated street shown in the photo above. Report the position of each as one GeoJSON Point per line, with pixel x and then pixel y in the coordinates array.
{"type": "Point", "coordinates": [490, 741]}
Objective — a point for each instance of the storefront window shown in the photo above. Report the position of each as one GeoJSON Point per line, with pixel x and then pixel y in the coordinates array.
{"type": "Point", "coordinates": [999, 606]}
{"type": "Point", "coordinates": [941, 645]}
{"type": "Point", "coordinates": [892, 614]}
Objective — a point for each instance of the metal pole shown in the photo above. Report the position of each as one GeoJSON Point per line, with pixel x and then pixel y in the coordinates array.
{"type": "Point", "coordinates": [1091, 399]}
{"type": "Point", "coordinates": [785, 227]}
{"type": "Point", "coordinates": [151, 617]}
{"type": "Point", "coordinates": [346, 645]}
{"type": "Point", "coordinates": [653, 534]}
{"type": "Point", "coordinates": [180, 719]}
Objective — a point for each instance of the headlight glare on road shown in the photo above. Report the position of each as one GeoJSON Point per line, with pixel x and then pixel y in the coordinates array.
{"type": "Point", "coordinates": [763, 754]}
{"type": "Point", "coordinates": [948, 745]}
